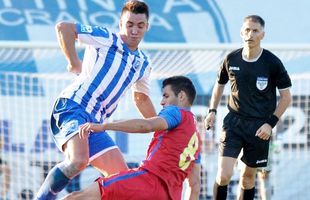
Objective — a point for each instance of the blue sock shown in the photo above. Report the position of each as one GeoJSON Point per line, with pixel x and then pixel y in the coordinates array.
{"type": "Point", "coordinates": [54, 183]}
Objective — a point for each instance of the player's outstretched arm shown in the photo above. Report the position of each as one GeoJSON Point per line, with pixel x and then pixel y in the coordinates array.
{"type": "Point", "coordinates": [144, 105]}
{"type": "Point", "coordinates": [128, 126]}
{"type": "Point", "coordinates": [66, 36]}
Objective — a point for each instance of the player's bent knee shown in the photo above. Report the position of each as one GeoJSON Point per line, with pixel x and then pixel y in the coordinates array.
{"type": "Point", "coordinates": [79, 164]}
{"type": "Point", "coordinates": [73, 168]}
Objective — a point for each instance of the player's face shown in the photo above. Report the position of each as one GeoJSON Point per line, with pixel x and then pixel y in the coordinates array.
{"type": "Point", "coordinates": [132, 28]}
{"type": "Point", "coordinates": [252, 33]}
{"type": "Point", "coordinates": [169, 98]}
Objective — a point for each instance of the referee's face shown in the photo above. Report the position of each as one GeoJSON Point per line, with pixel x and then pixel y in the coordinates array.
{"type": "Point", "coordinates": [132, 28]}
{"type": "Point", "coordinates": [252, 33]}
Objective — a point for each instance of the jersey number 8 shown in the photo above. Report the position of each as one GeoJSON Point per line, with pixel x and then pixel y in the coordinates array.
{"type": "Point", "coordinates": [188, 153]}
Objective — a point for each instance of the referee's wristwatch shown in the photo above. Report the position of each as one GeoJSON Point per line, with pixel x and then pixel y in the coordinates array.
{"type": "Point", "coordinates": [212, 110]}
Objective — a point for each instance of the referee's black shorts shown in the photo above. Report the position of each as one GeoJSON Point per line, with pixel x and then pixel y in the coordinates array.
{"type": "Point", "coordinates": [238, 133]}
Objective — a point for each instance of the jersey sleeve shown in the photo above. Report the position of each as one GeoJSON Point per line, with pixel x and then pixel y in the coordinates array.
{"type": "Point", "coordinates": [92, 35]}
{"type": "Point", "coordinates": [143, 84]}
{"type": "Point", "coordinates": [222, 75]}
{"type": "Point", "coordinates": [172, 115]}
{"type": "Point", "coordinates": [283, 80]}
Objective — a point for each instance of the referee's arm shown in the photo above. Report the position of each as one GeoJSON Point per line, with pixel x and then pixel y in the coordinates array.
{"type": "Point", "coordinates": [264, 132]}
{"type": "Point", "coordinates": [217, 93]}
{"type": "Point", "coordinates": [284, 102]}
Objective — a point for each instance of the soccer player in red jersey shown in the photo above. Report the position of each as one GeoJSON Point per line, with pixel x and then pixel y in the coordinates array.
{"type": "Point", "coordinates": [172, 156]}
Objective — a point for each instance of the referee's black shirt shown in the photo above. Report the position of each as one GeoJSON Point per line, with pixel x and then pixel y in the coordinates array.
{"type": "Point", "coordinates": [253, 84]}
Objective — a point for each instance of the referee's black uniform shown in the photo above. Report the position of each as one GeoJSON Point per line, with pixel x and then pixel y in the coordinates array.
{"type": "Point", "coordinates": [251, 102]}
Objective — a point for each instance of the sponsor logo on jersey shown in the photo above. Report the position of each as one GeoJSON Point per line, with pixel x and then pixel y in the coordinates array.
{"type": "Point", "coordinates": [261, 161]}
{"type": "Point", "coordinates": [120, 51]}
{"type": "Point", "coordinates": [86, 29]}
{"type": "Point", "coordinates": [136, 64]}
{"type": "Point", "coordinates": [234, 68]}
{"type": "Point", "coordinates": [261, 83]}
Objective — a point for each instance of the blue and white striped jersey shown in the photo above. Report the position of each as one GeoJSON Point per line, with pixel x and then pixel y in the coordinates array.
{"type": "Point", "coordinates": [109, 69]}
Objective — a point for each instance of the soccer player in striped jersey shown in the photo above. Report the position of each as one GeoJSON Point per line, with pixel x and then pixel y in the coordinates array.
{"type": "Point", "coordinates": [112, 64]}
{"type": "Point", "coordinates": [173, 153]}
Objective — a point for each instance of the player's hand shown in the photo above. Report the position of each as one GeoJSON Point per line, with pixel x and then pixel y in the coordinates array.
{"type": "Point", "coordinates": [264, 132]}
{"type": "Point", "coordinates": [210, 120]}
{"type": "Point", "coordinates": [88, 128]}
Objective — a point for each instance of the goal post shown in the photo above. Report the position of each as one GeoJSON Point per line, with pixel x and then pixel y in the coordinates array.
{"type": "Point", "coordinates": [32, 74]}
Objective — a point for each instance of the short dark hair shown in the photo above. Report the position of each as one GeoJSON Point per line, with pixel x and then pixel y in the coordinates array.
{"type": "Point", "coordinates": [255, 18]}
{"type": "Point", "coordinates": [181, 83]}
{"type": "Point", "coordinates": [136, 7]}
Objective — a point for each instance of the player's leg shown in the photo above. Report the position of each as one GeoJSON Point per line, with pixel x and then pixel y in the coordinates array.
{"type": "Point", "coordinates": [92, 192]}
{"type": "Point", "coordinates": [66, 118]}
{"type": "Point", "coordinates": [134, 183]}
{"type": "Point", "coordinates": [265, 189]}
{"type": "Point", "coordinates": [229, 149]}
{"type": "Point", "coordinates": [247, 183]}
{"type": "Point", "coordinates": [110, 162]}
{"type": "Point", "coordinates": [224, 174]}
{"type": "Point", "coordinates": [104, 155]}
{"type": "Point", "coordinates": [255, 154]}
{"type": "Point", "coordinates": [263, 175]}
{"type": "Point", "coordinates": [5, 172]}
{"type": "Point", "coordinates": [76, 159]}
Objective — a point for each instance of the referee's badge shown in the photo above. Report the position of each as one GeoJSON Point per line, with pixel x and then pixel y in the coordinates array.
{"type": "Point", "coordinates": [261, 83]}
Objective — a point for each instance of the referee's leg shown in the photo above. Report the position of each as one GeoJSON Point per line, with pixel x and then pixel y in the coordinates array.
{"type": "Point", "coordinates": [224, 174]}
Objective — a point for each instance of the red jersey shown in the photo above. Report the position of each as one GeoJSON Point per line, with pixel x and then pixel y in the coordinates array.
{"type": "Point", "coordinates": [172, 153]}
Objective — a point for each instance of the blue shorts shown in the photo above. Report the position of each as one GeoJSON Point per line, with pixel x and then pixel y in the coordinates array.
{"type": "Point", "coordinates": [66, 118]}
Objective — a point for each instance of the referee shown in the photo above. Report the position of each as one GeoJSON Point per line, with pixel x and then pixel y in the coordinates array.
{"type": "Point", "coordinates": [254, 74]}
